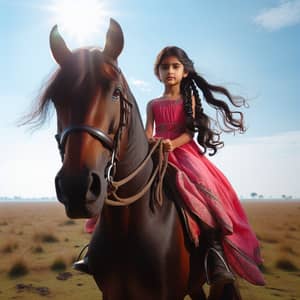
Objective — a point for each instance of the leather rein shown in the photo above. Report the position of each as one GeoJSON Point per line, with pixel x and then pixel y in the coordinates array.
{"type": "Point", "coordinates": [113, 146]}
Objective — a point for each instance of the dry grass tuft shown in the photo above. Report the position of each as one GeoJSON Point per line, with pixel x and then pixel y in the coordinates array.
{"type": "Point", "coordinates": [292, 228]}
{"type": "Point", "coordinates": [286, 265]}
{"type": "Point", "coordinates": [59, 264]}
{"type": "Point", "coordinates": [264, 269]}
{"type": "Point", "coordinates": [289, 236]}
{"type": "Point", "coordinates": [270, 240]}
{"type": "Point", "coordinates": [9, 247]}
{"type": "Point", "coordinates": [45, 237]}
{"type": "Point", "coordinates": [258, 236]}
{"type": "Point", "coordinates": [288, 249]}
{"type": "Point", "coordinates": [18, 269]}
{"type": "Point", "coordinates": [68, 222]}
{"type": "Point", "coordinates": [37, 249]}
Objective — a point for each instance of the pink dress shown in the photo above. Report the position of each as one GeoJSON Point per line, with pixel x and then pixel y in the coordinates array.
{"type": "Point", "coordinates": [208, 193]}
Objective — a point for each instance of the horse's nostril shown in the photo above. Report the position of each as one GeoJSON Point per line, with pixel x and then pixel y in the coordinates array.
{"type": "Point", "coordinates": [95, 185]}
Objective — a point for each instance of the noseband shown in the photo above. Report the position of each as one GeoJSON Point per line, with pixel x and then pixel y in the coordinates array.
{"type": "Point", "coordinates": [96, 133]}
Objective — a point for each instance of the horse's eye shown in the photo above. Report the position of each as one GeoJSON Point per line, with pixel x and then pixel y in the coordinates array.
{"type": "Point", "coordinates": [111, 128]}
{"type": "Point", "coordinates": [116, 94]}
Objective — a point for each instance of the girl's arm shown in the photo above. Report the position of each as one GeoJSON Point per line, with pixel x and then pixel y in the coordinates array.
{"type": "Point", "coordinates": [170, 145]}
{"type": "Point", "coordinates": [182, 139]}
{"type": "Point", "coordinates": [149, 122]}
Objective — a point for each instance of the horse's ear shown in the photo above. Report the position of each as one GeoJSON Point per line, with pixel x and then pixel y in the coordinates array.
{"type": "Point", "coordinates": [114, 40]}
{"type": "Point", "coordinates": [58, 46]}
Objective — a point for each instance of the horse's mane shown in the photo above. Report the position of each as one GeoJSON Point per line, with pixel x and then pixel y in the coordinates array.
{"type": "Point", "coordinates": [79, 75]}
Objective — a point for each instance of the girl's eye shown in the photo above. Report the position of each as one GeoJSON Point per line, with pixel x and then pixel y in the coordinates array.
{"type": "Point", "coordinates": [116, 94]}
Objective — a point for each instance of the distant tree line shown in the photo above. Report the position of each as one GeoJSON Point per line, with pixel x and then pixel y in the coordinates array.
{"type": "Point", "coordinates": [18, 198]}
{"type": "Point", "coordinates": [254, 195]}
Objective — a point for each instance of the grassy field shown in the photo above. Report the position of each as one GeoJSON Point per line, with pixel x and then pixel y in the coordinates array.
{"type": "Point", "coordinates": [38, 245]}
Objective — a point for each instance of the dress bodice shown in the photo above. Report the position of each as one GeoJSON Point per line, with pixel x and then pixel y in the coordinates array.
{"type": "Point", "coordinates": [169, 117]}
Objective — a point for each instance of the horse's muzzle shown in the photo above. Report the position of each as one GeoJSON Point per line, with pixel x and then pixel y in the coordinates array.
{"type": "Point", "coordinates": [82, 195]}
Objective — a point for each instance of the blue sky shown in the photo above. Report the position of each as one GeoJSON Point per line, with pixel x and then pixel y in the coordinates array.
{"type": "Point", "coordinates": [251, 47]}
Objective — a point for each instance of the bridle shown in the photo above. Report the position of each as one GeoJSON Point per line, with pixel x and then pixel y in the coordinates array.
{"type": "Point", "coordinates": [113, 145]}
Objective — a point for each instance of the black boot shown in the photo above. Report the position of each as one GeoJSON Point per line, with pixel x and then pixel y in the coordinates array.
{"type": "Point", "coordinates": [216, 268]}
{"type": "Point", "coordinates": [82, 265]}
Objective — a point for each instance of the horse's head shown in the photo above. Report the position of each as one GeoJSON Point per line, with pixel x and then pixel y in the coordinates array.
{"type": "Point", "coordinates": [89, 95]}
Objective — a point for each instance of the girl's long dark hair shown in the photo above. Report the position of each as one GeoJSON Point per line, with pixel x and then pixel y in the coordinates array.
{"type": "Point", "coordinates": [208, 136]}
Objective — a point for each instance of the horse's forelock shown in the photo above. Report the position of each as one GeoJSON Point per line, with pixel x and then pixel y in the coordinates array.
{"type": "Point", "coordinates": [87, 67]}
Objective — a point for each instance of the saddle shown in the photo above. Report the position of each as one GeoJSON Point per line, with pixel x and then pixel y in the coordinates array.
{"type": "Point", "coordinates": [165, 183]}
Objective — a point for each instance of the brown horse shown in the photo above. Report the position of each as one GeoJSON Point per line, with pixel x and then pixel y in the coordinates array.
{"type": "Point", "coordinates": [138, 251]}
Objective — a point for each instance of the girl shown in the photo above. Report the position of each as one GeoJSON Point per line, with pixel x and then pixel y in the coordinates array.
{"type": "Point", "coordinates": [177, 114]}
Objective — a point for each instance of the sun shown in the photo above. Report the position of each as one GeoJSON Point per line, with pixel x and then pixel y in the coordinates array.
{"type": "Point", "coordinates": [81, 19]}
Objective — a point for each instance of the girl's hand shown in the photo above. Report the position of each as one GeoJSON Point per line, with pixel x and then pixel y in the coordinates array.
{"type": "Point", "coordinates": [152, 140]}
{"type": "Point", "coordinates": [168, 145]}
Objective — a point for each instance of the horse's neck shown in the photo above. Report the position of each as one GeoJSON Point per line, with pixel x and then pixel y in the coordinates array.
{"type": "Point", "coordinates": [137, 146]}
{"type": "Point", "coordinates": [136, 151]}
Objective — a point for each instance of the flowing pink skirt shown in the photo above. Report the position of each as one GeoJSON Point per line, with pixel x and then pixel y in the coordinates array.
{"type": "Point", "coordinates": [209, 195]}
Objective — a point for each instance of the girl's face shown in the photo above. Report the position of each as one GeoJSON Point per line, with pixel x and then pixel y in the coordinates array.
{"type": "Point", "coordinates": [171, 71]}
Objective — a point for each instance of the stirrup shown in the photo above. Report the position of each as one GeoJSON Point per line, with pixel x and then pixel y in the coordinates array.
{"type": "Point", "coordinates": [81, 265]}
{"type": "Point", "coordinates": [79, 256]}
{"type": "Point", "coordinates": [206, 259]}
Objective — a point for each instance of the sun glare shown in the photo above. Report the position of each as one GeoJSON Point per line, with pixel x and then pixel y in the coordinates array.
{"type": "Point", "coordinates": [81, 19]}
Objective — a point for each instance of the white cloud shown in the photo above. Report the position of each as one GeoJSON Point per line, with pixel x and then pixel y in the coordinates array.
{"type": "Point", "coordinates": [140, 84]}
{"type": "Point", "coordinates": [267, 165]}
{"type": "Point", "coordinates": [287, 13]}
